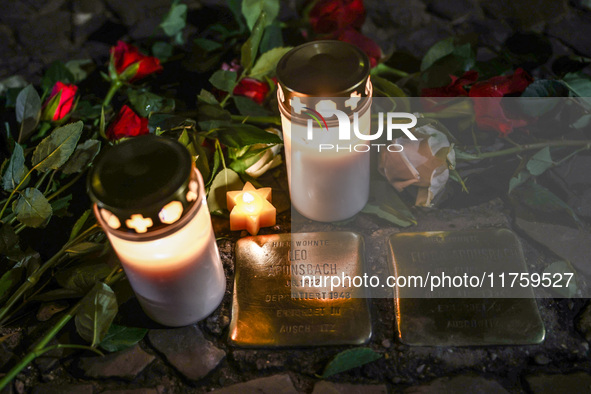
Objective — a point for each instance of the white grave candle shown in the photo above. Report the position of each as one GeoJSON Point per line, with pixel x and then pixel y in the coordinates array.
{"type": "Point", "coordinates": [321, 85]}
{"type": "Point", "coordinates": [150, 201]}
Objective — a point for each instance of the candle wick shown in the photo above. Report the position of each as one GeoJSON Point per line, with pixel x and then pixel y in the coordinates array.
{"type": "Point", "coordinates": [247, 197]}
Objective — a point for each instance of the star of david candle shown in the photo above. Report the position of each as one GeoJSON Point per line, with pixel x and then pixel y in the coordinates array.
{"type": "Point", "coordinates": [324, 90]}
{"type": "Point", "coordinates": [150, 200]}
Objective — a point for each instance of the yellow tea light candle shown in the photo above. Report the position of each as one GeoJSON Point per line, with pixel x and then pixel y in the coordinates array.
{"type": "Point", "coordinates": [251, 208]}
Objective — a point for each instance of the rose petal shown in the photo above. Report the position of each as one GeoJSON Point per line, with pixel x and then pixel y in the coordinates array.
{"type": "Point", "coordinates": [126, 55]}
{"type": "Point", "coordinates": [329, 16]}
{"type": "Point", "coordinates": [127, 124]}
{"type": "Point", "coordinates": [366, 44]}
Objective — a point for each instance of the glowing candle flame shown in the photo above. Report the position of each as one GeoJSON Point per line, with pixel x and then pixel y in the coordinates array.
{"type": "Point", "coordinates": [247, 197]}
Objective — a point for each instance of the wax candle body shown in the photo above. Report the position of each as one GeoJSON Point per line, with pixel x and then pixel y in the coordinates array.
{"type": "Point", "coordinates": [178, 278]}
{"type": "Point", "coordinates": [325, 184]}
{"type": "Point", "coordinates": [250, 209]}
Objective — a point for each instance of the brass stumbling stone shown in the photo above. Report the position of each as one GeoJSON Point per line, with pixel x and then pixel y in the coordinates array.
{"type": "Point", "coordinates": [459, 316]}
{"type": "Point", "coordinates": [272, 307]}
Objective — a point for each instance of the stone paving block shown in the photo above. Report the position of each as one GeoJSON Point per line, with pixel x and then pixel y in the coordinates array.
{"type": "Point", "coordinates": [325, 387]}
{"type": "Point", "coordinates": [579, 382]}
{"type": "Point", "coordinates": [125, 364]}
{"type": "Point", "coordinates": [187, 350]}
{"type": "Point", "coordinates": [276, 384]}
{"type": "Point", "coordinates": [468, 384]}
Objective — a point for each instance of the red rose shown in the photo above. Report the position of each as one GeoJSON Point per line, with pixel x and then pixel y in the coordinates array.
{"type": "Point", "coordinates": [253, 89]}
{"type": "Point", "coordinates": [60, 101]}
{"type": "Point", "coordinates": [489, 112]}
{"type": "Point", "coordinates": [366, 44]}
{"type": "Point", "coordinates": [502, 85]}
{"type": "Point", "coordinates": [329, 16]}
{"type": "Point", "coordinates": [455, 88]}
{"type": "Point", "coordinates": [132, 65]}
{"type": "Point", "coordinates": [127, 124]}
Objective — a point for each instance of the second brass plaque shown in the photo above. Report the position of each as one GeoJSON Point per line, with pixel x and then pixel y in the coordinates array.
{"type": "Point", "coordinates": [273, 308]}
{"type": "Point", "coordinates": [460, 317]}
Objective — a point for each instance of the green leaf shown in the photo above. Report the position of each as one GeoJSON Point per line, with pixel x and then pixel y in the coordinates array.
{"type": "Point", "coordinates": [248, 107]}
{"type": "Point", "coordinates": [9, 281]}
{"type": "Point", "coordinates": [28, 111]}
{"type": "Point", "coordinates": [242, 163]}
{"type": "Point", "coordinates": [460, 60]}
{"type": "Point", "coordinates": [518, 179]}
{"type": "Point", "coordinates": [546, 88]}
{"type": "Point", "coordinates": [562, 268]}
{"type": "Point", "coordinates": [79, 224]}
{"type": "Point", "coordinates": [250, 48]}
{"type": "Point", "coordinates": [8, 240]}
{"type": "Point", "coordinates": [207, 45]}
{"type": "Point", "coordinates": [80, 68]}
{"type": "Point", "coordinates": [197, 151]}
{"type": "Point", "coordinates": [582, 122]}
{"type": "Point", "coordinates": [538, 197]}
{"type": "Point", "coordinates": [240, 135]}
{"type": "Point", "coordinates": [82, 277]}
{"type": "Point", "coordinates": [224, 80]}
{"type": "Point", "coordinates": [82, 156]}
{"type": "Point", "coordinates": [350, 359]}
{"type": "Point", "coordinates": [236, 7]}
{"type": "Point", "coordinates": [86, 110]}
{"type": "Point", "coordinates": [580, 85]}
{"type": "Point", "coordinates": [207, 97]}
{"type": "Point", "coordinates": [16, 170]}
{"type": "Point", "coordinates": [60, 206]}
{"type": "Point", "coordinates": [58, 294]}
{"type": "Point", "coordinates": [162, 50]}
{"type": "Point", "coordinates": [32, 208]}
{"type": "Point", "coordinates": [54, 150]}
{"type": "Point", "coordinates": [121, 337]}
{"type": "Point", "coordinates": [386, 204]}
{"type": "Point", "coordinates": [84, 248]}
{"type": "Point", "coordinates": [226, 180]}
{"type": "Point", "coordinates": [57, 71]}
{"type": "Point", "coordinates": [217, 154]}
{"type": "Point", "coordinates": [146, 103]}
{"type": "Point", "coordinates": [252, 9]}
{"type": "Point", "coordinates": [96, 313]}
{"type": "Point", "coordinates": [540, 162]}
{"type": "Point", "coordinates": [272, 37]}
{"type": "Point", "coordinates": [175, 20]}
{"type": "Point", "coordinates": [213, 112]}
{"type": "Point", "coordinates": [438, 51]}
{"type": "Point", "coordinates": [534, 100]}
{"type": "Point", "coordinates": [389, 88]}
{"type": "Point", "coordinates": [267, 62]}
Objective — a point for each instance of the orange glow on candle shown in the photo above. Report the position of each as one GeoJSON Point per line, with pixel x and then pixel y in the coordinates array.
{"type": "Point", "coordinates": [251, 208]}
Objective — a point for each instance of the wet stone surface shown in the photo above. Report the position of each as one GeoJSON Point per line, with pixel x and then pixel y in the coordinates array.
{"type": "Point", "coordinates": [126, 364]}
{"type": "Point", "coordinates": [187, 350]}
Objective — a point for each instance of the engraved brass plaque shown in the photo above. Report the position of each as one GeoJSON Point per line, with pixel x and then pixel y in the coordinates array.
{"type": "Point", "coordinates": [273, 308]}
{"type": "Point", "coordinates": [453, 317]}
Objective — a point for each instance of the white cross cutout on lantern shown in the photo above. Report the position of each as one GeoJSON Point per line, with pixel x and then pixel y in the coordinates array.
{"type": "Point", "coordinates": [139, 223]}
{"type": "Point", "coordinates": [353, 101]}
{"type": "Point", "coordinates": [297, 105]}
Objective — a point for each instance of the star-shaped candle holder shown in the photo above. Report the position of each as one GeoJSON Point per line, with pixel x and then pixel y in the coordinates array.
{"type": "Point", "coordinates": [251, 208]}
